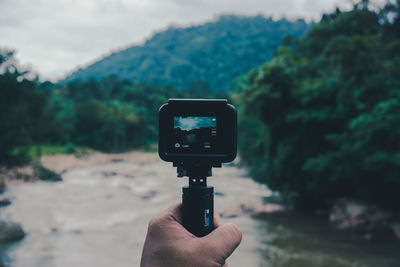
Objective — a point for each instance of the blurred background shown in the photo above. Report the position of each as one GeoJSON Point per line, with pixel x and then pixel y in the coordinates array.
{"type": "Point", "coordinates": [317, 88]}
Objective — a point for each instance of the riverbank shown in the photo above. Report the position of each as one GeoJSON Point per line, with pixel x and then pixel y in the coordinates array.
{"type": "Point", "coordinates": [98, 214]}
{"type": "Point", "coordinates": [61, 163]}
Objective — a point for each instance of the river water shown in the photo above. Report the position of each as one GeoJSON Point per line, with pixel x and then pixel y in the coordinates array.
{"type": "Point", "coordinates": [98, 215]}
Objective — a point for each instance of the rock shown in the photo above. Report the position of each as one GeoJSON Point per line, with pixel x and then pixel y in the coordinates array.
{"type": "Point", "coordinates": [233, 212]}
{"type": "Point", "coordinates": [350, 214]}
{"type": "Point", "coordinates": [274, 198]}
{"type": "Point", "coordinates": [230, 213]}
{"type": "Point", "coordinates": [219, 194]}
{"type": "Point", "coordinates": [253, 210]}
{"type": "Point", "coordinates": [235, 163]}
{"type": "Point", "coordinates": [248, 208]}
{"type": "Point", "coordinates": [10, 231]}
{"type": "Point", "coordinates": [4, 202]}
{"type": "Point", "coordinates": [149, 195]}
{"type": "Point", "coordinates": [108, 174]}
{"type": "Point", "coordinates": [25, 173]}
{"type": "Point", "coordinates": [42, 173]}
{"type": "Point", "coordinates": [347, 214]}
{"type": "Point", "coordinates": [268, 209]}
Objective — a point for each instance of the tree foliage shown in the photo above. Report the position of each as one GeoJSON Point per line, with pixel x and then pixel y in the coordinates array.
{"type": "Point", "coordinates": [23, 116]}
{"type": "Point", "coordinates": [110, 115]}
{"type": "Point", "coordinates": [321, 120]}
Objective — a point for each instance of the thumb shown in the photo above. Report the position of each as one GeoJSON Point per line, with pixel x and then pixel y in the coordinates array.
{"type": "Point", "coordinates": [223, 241]}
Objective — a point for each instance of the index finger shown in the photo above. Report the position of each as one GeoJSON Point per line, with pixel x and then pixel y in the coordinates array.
{"type": "Point", "coordinates": [175, 212]}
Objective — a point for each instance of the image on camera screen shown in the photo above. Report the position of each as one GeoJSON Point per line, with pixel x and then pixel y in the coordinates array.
{"type": "Point", "coordinates": [196, 134]}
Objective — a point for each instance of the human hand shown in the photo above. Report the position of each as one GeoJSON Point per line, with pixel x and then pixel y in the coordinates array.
{"type": "Point", "coordinates": [168, 243]}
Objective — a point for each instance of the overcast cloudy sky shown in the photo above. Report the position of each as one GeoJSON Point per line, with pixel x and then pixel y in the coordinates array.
{"type": "Point", "coordinates": [56, 36]}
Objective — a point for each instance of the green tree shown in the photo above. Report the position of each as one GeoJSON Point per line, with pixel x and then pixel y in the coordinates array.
{"type": "Point", "coordinates": [22, 112]}
{"type": "Point", "coordinates": [328, 106]}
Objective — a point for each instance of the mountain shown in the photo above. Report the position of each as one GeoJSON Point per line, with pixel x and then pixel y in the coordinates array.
{"type": "Point", "coordinates": [212, 55]}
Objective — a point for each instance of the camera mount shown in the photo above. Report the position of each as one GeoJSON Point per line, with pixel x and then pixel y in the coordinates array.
{"type": "Point", "coordinates": [197, 199]}
{"type": "Point", "coordinates": [196, 135]}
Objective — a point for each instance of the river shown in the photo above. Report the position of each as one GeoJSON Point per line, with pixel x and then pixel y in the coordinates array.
{"type": "Point", "coordinates": [98, 215]}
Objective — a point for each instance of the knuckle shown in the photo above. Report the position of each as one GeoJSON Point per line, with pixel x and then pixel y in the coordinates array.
{"type": "Point", "coordinates": [235, 231]}
{"type": "Point", "coordinates": [154, 222]}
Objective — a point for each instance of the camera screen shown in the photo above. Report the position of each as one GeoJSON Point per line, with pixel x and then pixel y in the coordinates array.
{"type": "Point", "coordinates": [195, 134]}
{"type": "Point", "coordinates": [197, 131]}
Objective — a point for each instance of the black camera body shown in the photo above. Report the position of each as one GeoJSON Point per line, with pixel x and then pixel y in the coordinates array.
{"type": "Point", "coordinates": [196, 135]}
{"type": "Point", "coordinates": [197, 130]}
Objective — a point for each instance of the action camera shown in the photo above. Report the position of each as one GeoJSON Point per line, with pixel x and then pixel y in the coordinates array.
{"type": "Point", "coordinates": [196, 135]}
{"type": "Point", "coordinates": [197, 130]}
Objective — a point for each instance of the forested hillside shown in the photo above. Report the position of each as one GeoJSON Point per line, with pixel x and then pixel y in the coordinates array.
{"type": "Point", "coordinates": [210, 56]}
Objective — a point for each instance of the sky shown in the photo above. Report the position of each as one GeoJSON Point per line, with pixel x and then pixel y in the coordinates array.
{"type": "Point", "coordinates": [190, 123]}
{"type": "Point", "coordinates": [54, 37]}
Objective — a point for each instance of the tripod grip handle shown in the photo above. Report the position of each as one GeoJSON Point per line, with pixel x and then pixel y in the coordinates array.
{"type": "Point", "coordinates": [198, 209]}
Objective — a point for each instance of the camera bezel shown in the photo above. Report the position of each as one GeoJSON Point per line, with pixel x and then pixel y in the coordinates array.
{"type": "Point", "coordinates": [226, 123]}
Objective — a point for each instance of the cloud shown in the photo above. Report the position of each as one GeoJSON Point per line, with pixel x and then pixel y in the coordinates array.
{"type": "Point", "coordinates": [57, 36]}
{"type": "Point", "coordinates": [190, 123]}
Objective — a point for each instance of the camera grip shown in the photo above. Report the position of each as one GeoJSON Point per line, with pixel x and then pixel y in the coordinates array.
{"type": "Point", "coordinates": [198, 209]}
